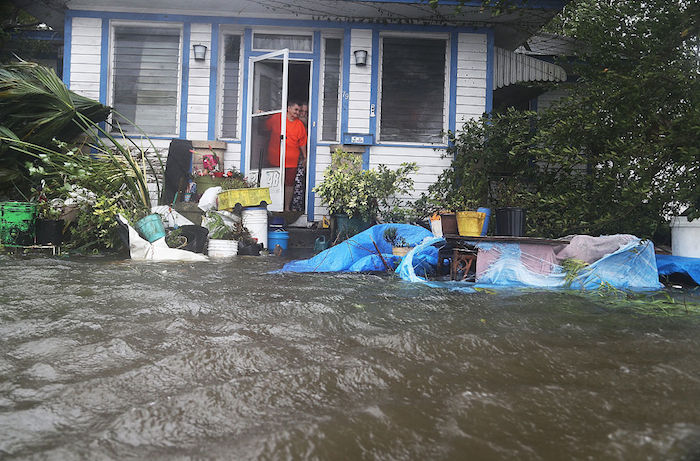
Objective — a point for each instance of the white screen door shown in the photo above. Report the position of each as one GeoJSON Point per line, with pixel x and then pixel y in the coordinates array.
{"type": "Point", "coordinates": [267, 93]}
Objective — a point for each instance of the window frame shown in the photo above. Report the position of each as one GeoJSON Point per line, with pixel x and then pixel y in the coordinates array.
{"type": "Point", "coordinates": [321, 89]}
{"type": "Point", "coordinates": [269, 31]}
{"type": "Point", "coordinates": [113, 24]}
{"type": "Point", "coordinates": [446, 87]}
{"type": "Point", "coordinates": [221, 59]}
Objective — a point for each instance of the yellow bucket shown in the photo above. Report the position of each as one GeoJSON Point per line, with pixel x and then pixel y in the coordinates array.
{"type": "Point", "coordinates": [470, 223]}
{"type": "Point", "coordinates": [246, 197]}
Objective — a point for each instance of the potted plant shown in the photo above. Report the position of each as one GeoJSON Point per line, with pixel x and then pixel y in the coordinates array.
{"type": "Point", "coordinates": [49, 225]}
{"type": "Point", "coordinates": [355, 197]}
{"type": "Point", "coordinates": [222, 237]}
{"type": "Point", "coordinates": [399, 246]}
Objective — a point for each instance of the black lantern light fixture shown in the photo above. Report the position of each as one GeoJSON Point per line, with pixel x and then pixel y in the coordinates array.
{"type": "Point", "coordinates": [200, 52]}
{"type": "Point", "coordinates": [360, 57]}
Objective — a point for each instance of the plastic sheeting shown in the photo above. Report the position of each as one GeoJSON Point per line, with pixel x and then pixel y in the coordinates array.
{"type": "Point", "coordinates": [142, 250]}
{"type": "Point", "coordinates": [669, 264]}
{"type": "Point", "coordinates": [358, 254]}
{"type": "Point", "coordinates": [631, 267]}
{"type": "Point", "coordinates": [630, 264]}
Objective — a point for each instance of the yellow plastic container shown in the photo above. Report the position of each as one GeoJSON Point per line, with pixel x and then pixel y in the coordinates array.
{"type": "Point", "coordinates": [246, 197]}
{"type": "Point", "coordinates": [470, 223]}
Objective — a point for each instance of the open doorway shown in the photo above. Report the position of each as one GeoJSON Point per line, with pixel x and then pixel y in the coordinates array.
{"type": "Point", "coordinates": [266, 146]}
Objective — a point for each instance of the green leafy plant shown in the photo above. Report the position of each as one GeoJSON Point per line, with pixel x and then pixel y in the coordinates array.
{"type": "Point", "coordinates": [221, 231]}
{"type": "Point", "coordinates": [391, 236]}
{"type": "Point", "coordinates": [348, 189]}
{"type": "Point", "coordinates": [234, 179]}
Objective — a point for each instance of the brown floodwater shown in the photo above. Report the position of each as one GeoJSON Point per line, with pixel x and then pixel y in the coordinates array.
{"type": "Point", "coordinates": [109, 359]}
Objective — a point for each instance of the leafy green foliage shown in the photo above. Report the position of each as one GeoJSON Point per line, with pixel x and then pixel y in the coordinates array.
{"type": "Point", "coordinates": [391, 236]}
{"type": "Point", "coordinates": [620, 153]}
{"type": "Point", "coordinates": [348, 189]}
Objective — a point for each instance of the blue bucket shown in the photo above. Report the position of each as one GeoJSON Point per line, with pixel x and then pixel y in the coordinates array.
{"type": "Point", "coordinates": [278, 237]}
{"type": "Point", "coordinates": [486, 221]}
{"type": "Point", "coordinates": [151, 227]}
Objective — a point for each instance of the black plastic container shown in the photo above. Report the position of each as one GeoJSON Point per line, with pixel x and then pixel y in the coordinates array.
{"type": "Point", "coordinates": [49, 231]}
{"type": "Point", "coordinates": [510, 222]}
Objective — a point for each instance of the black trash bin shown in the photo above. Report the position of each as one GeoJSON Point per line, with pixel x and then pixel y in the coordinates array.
{"type": "Point", "coordinates": [510, 221]}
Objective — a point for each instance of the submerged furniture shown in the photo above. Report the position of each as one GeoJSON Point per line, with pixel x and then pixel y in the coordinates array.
{"type": "Point", "coordinates": [463, 260]}
{"type": "Point", "coordinates": [537, 254]}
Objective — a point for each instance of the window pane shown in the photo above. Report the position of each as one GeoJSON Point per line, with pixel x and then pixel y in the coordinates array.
{"type": "Point", "coordinates": [230, 77]}
{"type": "Point", "coordinates": [331, 88]}
{"type": "Point", "coordinates": [277, 42]}
{"type": "Point", "coordinates": [413, 79]}
{"type": "Point", "coordinates": [146, 71]}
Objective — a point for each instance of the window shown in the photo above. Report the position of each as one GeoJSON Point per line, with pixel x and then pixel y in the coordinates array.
{"type": "Point", "coordinates": [331, 89]}
{"type": "Point", "coordinates": [230, 86]}
{"type": "Point", "coordinates": [413, 90]}
{"type": "Point", "coordinates": [273, 42]}
{"type": "Point", "coordinates": [145, 78]}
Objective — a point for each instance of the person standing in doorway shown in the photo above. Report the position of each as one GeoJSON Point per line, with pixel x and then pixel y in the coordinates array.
{"type": "Point", "coordinates": [304, 115]}
{"type": "Point", "coordinates": [295, 146]}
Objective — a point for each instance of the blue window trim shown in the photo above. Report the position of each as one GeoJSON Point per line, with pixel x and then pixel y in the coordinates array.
{"type": "Point", "coordinates": [344, 97]}
{"type": "Point", "coordinates": [314, 97]}
{"type": "Point", "coordinates": [454, 49]}
{"type": "Point", "coordinates": [247, 39]}
{"type": "Point", "coordinates": [184, 90]}
{"type": "Point", "coordinates": [374, 88]}
{"type": "Point", "coordinates": [67, 35]}
{"type": "Point", "coordinates": [490, 57]}
{"type": "Point", "coordinates": [104, 58]}
{"type": "Point", "coordinates": [213, 81]}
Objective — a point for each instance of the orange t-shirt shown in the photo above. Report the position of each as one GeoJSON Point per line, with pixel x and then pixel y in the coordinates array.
{"type": "Point", "coordinates": [296, 138]}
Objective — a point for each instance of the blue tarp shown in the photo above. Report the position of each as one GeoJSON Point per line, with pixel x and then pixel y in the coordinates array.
{"type": "Point", "coordinates": [669, 264]}
{"type": "Point", "coordinates": [358, 254]}
{"type": "Point", "coordinates": [631, 267]}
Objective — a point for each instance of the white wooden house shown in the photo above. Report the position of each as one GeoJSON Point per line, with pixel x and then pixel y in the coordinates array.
{"type": "Point", "coordinates": [427, 70]}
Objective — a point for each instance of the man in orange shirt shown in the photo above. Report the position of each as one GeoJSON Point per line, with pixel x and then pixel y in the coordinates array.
{"type": "Point", "coordinates": [295, 146]}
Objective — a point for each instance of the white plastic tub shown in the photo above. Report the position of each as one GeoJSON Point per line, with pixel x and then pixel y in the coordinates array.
{"type": "Point", "coordinates": [685, 237]}
{"type": "Point", "coordinates": [222, 248]}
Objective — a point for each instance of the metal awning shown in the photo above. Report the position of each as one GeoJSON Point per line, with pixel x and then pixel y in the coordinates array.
{"type": "Point", "coordinates": [510, 68]}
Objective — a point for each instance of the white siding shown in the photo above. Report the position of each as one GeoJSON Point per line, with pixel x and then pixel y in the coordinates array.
{"type": "Point", "coordinates": [198, 92]}
{"type": "Point", "coordinates": [323, 159]}
{"type": "Point", "coordinates": [85, 58]}
{"type": "Point", "coordinates": [471, 77]}
{"type": "Point", "coordinates": [429, 160]}
{"type": "Point", "coordinates": [232, 156]}
{"type": "Point", "coordinates": [360, 77]}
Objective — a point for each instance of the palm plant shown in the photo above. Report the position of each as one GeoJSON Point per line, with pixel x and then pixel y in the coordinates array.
{"type": "Point", "coordinates": [47, 129]}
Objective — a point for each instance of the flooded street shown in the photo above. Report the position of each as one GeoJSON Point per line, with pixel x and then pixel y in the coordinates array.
{"type": "Point", "coordinates": [111, 359]}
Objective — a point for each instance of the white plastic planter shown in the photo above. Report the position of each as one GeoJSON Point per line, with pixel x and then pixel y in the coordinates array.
{"type": "Point", "coordinates": [685, 237]}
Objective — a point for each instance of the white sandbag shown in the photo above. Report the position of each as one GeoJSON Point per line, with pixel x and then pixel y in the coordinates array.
{"type": "Point", "coordinates": [170, 217]}
{"type": "Point", "coordinates": [141, 250]}
{"type": "Point", "coordinates": [208, 200]}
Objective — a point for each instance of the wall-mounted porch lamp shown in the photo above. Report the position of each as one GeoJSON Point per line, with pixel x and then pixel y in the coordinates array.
{"type": "Point", "coordinates": [360, 57]}
{"type": "Point", "coordinates": [200, 52]}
